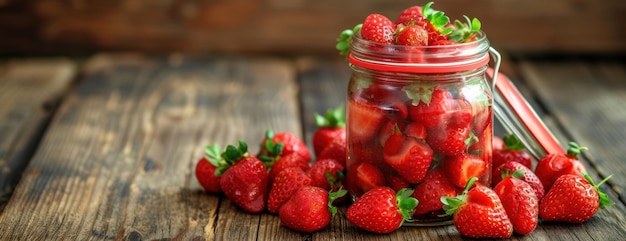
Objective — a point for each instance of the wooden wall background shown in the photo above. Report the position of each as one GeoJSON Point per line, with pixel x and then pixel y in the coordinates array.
{"type": "Point", "coordinates": [290, 26]}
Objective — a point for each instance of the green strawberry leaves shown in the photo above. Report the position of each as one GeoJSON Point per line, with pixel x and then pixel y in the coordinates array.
{"type": "Point", "coordinates": [406, 203]}
{"type": "Point", "coordinates": [464, 32]}
{"type": "Point", "coordinates": [332, 196]}
{"type": "Point", "coordinates": [332, 118]}
{"type": "Point", "coordinates": [604, 199]}
{"type": "Point", "coordinates": [450, 204]}
{"type": "Point", "coordinates": [345, 39]}
{"type": "Point", "coordinates": [213, 154]}
{"type": "Point", "coordinates": [420, 91]}
{"type": "Point", "coordinates": [231, 155]}
{"type": "Point", "coordinates": [438, 19]}
{"type": "Point", "coordinates": [513, 143]}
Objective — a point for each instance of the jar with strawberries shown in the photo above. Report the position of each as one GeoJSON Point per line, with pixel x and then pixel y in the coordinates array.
{"type": "Point", "coordinates": [419, 107]}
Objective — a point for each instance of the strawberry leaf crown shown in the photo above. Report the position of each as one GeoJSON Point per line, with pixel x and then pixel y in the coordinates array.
{"type": "Point", "coordinates": [438, 19]}
{"type": "Point", "coordinates": [406, 203]}
{"type": "Point", "coordinates": [574, 150]}
{"type": "Point", "coordinates": [451, 204]}
{"type": "Point", "coordinates": [332, 196]}
{"type": "Point", "coordinates": [604, 199]}
{"type": "Point", "coordinates": [231, 155]}
{"type": "Point", "coordinates": [271, 150]}
{"type": "Point", "coordinates": [513, 143]}
{"type": "Point", "coordinates": [464, 32]}
{"type": "Point", "coordinates": [332, 118]}
{"type": "Point", "coordinates": [213, 154]}
{"type": "Point", "coordinates": [345, 39]}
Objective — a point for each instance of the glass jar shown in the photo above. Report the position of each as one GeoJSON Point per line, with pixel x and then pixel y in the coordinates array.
{"type": "Point", "coordinates": [419, 117]}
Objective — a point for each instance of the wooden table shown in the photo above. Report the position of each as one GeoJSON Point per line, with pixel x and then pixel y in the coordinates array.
{"type": "Point", "coordinates": [105, 149]}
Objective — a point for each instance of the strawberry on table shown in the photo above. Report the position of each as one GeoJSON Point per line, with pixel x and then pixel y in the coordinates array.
{"type": "Point", "coordinates": [283, 162]}
{"type": "Point", "coordinates": [327, 174]}
{"type": "Point", "coordinates": [309, 209]}
{"type": "Point", "coordinates": [329, 127]}
{"type": "Point", "coordinates": [514, 150]}
{"type": "Point", "coordinates": [552, 166]}
{"type": "Point", "coordinates": [286, 184]}
{"type": "Point", "coordinates": [244, 178]}
{"type": "Point", "coordinates": [382, 210]}
{"type": "Point", "coordinates": [573, 199]}
{"type": "Point", "coordinates": [524, 173]}
{"type": "Point", "coordinates": [520, 202]}
{"type": "Point", "coordinates": [206, 169]}
{"type": "Point", "coordinates": [408, 156]}
{"type": "Point", "coordinates": [290, 143]}
{"type": "Point", "coordinates": [478, 212]}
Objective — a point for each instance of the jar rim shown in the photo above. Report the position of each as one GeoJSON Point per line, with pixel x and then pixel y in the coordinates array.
{"type": "Point", "coordinates": [419, 59]}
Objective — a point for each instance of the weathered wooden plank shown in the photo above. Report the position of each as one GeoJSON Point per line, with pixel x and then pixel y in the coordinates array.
{"type": "Point", "coordinates": [118, 161]}
{"type": "Point", "coordinates": [290, 26]}
{"type": "Point", "coordinates": [591, 110]}
{"type": "Point", "coordinates": [30, 90]}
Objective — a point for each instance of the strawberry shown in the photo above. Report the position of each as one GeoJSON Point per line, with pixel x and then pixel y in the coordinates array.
{"type": "Point", "coordinates": [365, 119]}
{"type": "Point", "coordinates": [430, 191]}
{"type": "Point", "coordinates": [309, 209]}
{"type": "Point", "coordinates": [206, 169]}
{"type": "Point", "coordinates": [407, 156]}
{"type": "Point", "coordinates": [429, 104]}
{"type": "Point", "coordinates": [478, 212]}
{"type": "Point", "coordinates": [396, 182]}
{"type": "Point", "coordinates": [525, 174]}
{"type": "Point", "coordinates": [286, 161]}
{"type": "Point", "coordinates": [329, 127]}
{"type": "Point", "coordinates": [382, 210]}
{"type": "Point", "coordinates": [377, 28]}
{"type": "Point", "coordinates": [327, 174]}
{"type": "Point", "coordinates": [514, 151]}
{"type": "Point", "coordinates": [520, 202]}
{"type": "Point", "coordinates": [449, 141]}
{"type": "Point", "coordinates": [363, 177]}
{"type": "Point", "coordinates": [286, 184]}
{"type": "Point", "coordinates": [337, 150]}
{"type": "Point", "coordinates": [244, 178]}
{"type": "Point", "coordinates": [552, 166]}
{"type": "Point", "coordinates": [290, 142]}
{"type": "Point", "coordinates": [412, 35]}
{"type": "Point", "coordinates": [416, 130]}
{"type": "Point", "coordinates": [462, 167]}
{"type": "Point", "coordinates": [497, 143]}
{"type": "Point", "coordinates": [409, 15]}
{"type": "Point", "coordinates": [573, 199]}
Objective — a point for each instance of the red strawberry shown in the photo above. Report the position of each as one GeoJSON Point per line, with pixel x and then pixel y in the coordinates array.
{"type": "Point", "coordinates": [520, 202]}
{"type": "Point", "coordinates": [381, 210]}
{"type": "Point", "coordinates": [407, 156]}
{"type": "Point", "coordinates": [327, 174]}
{"type": "Point", "coordinates": [412, 35]}
{"type": "Point", "coordinates": [449, 141]}
{"type": "Point", "coordinates": [378, 28]}
{"type": "Point", "coordinates": [525, 174]}
{"type": "Point", "coordinates": [514, 151]}
{"type": "Point", "coordinates": [286, 161]}
{"type": "Point", "coordinates": [365, 119]}
{"type": "Point", "coordinates": [417, 130]}
{"type": "Point", "coordinates": [478, 212]}
{"type": "Point", "coordinates": [396, 182]}
{"type": "Point", "coordinates": [290, 142]}
{"type": "Point", "coordinates": [409, 15]}
{"type": "Point", "coordinates": [552, 166]}
{"type": "Point", "coordinates": [244, 179]}
{"type": "Point", "coordinates": [429, 104]}
{"type": "Point", "coordinates": [370, 152]}
{"type": "Point", "coordinates": [462, 167]}
{"type": "Point", "coordinates": [363, 177]}
{"type": "Point", "coordinates": [337, 150]}
{"type": "Point", "coordinates": [389, 128]}
{"type": "Point", "coordinates": [206, 167]}
{"type": "Point", "coordinates": [573, 199]}
{"type": "Point", "coordinates": [329, 127]}
{"type": "Point", "coordinates": [309, 209]}
{"type": "Point", "coordinates": [286, 184]}
{"type": "Point", "coordinates": [430, 191]}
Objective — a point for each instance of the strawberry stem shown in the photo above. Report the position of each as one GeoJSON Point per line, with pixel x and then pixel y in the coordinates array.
{"type": "Point", "coordinates": [451, 204]}
{"type": "Point", "coordinates": [332, 196]}
{"type": "Point", "coordinates": [574, 150]}
{"type": "Point", "coordinates": [231, 155]}
{"type": "Point", "coordinates": [604, 199]}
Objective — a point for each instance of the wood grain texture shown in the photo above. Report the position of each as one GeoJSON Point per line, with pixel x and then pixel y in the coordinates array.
{"type": "Point", "coordinates": [592, 109]}
{"type": "Point", "coordinates": [285, 26]}
{"type": "Point", "coordinates": [117, 162]}
{"type": "Point", "coordinates": [30, 90]}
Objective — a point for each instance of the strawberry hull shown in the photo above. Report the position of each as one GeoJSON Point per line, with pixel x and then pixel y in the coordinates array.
{"type": "Point", "coordinates": [409, 117]}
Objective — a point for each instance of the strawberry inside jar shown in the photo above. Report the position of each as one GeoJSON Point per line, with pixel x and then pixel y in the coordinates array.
{"type": "Point", "coordinates": [419, 116]}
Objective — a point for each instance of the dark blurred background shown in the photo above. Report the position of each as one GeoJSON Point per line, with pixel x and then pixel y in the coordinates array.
{"type": "Point", "coordinates": [51, 27]}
